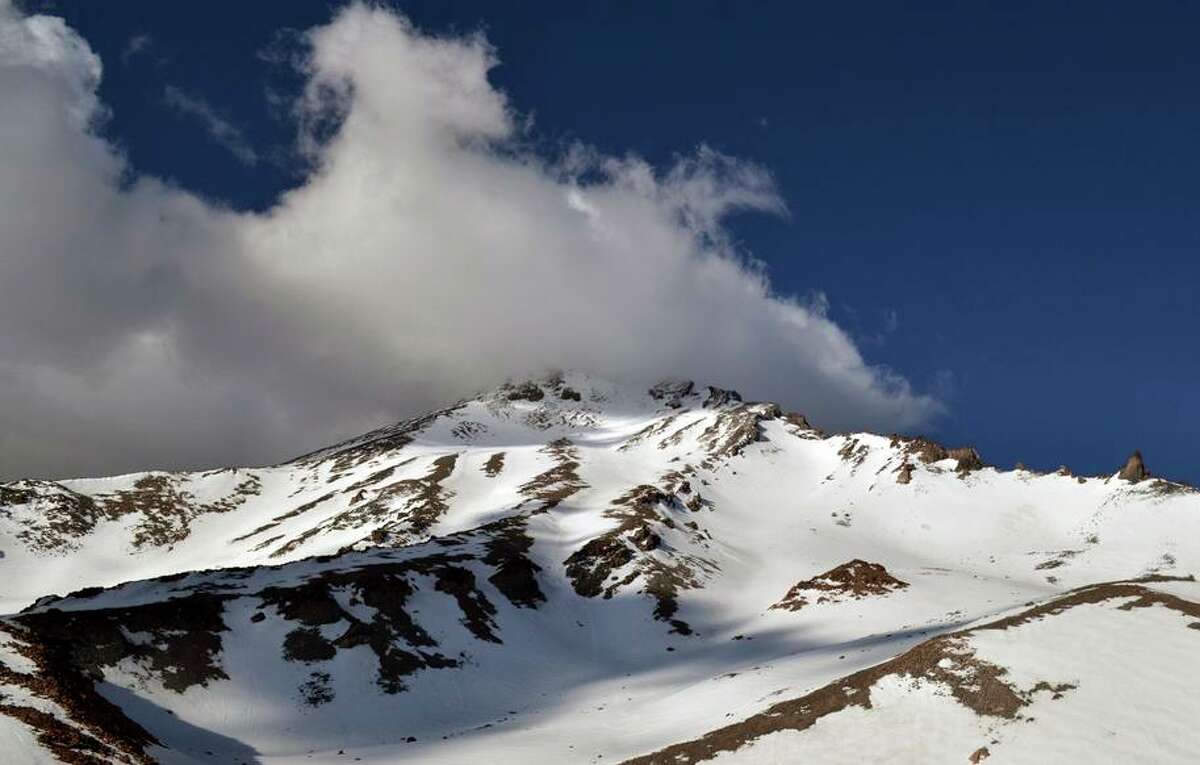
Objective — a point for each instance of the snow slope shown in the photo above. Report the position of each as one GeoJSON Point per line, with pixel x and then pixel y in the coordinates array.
{"type": "Point", "coordinates": [567, 570]}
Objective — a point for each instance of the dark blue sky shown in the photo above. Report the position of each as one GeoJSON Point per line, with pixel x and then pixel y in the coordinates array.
{"type": "Point", "coordinates": [1000, 200]}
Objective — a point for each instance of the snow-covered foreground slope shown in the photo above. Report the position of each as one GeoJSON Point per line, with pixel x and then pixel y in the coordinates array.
{"type": "Point", "coordinates": [573, 572]}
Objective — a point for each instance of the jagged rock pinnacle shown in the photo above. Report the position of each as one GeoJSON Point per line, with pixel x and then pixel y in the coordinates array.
{"type": "Point", "coordinates": [1135, 469]}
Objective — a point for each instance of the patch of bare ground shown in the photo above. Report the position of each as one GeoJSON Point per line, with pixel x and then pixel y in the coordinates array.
{"type": "Point", "coordinates": [294, 512]}
{"type": "Point", "coordinates": [167, 510]}
{"type": "Point", "coordinates": [316, 690]}
{"type": "Point", "coordinates": [356, 451]}
{"type": "Point", "coordinates": [60, 516]}
{"type": "Point", "coordinates": [851, 580]}
{"type": "Point", "coordinates": [95, 731]}
{"type": "Point", "coordinates": [494, 465]}
{"type": "Point", "coordinates": [560, 482]}
{"type": "Point", "coordinates": [63, 516]}
{"type": "Point", "coordinates": [468, 429]}
{"type": "Point", "coordinates": [655, 428]}
{"type": "Point", "coordinates": [635, 550]}
{"type": "Point", "coordinates": [947, 660]}
{"type": "Point", "coordinates": [425, 501]}
{"type": "Point", "coordinates": [1163, 488]}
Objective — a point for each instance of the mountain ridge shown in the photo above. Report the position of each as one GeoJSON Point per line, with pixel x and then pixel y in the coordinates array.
{"type": "Point", "coordinates": [564, 543]}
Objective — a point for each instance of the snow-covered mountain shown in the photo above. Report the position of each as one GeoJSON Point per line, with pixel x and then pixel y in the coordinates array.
{"type": "Point", "coordinates": [567, 571]}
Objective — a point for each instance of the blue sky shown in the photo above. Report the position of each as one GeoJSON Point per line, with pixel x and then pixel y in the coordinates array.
{"type": "Point", "coordinates": [998, 201]}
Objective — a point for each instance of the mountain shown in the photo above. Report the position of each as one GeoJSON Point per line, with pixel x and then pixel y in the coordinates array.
{"type": "Point", "coordinates": [570, 571]}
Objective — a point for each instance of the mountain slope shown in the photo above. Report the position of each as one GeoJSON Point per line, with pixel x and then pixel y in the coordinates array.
{"type": "Point", "coordinates": [570, 570]}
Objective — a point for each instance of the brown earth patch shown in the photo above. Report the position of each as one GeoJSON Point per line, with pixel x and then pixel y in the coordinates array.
{"type": "Point", "coordinates": [168, 510]}
{"type": "Point", "coordinates": [946, 660]}
{"type": "Point", "coordinates": [560, 482]}
{"type": "Point", "coordinates": [425, 502]}
{"type": "Point", "coordinates": [61, 515]}
{"type": "Point", "coordinates": [851, 580]}
{"type": "Point", "coordinates": [356, 451]}
{"type": "Point", "coordinates": [494, 465]}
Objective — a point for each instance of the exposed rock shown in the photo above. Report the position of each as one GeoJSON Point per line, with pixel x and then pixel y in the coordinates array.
{"type": "Point", "coordinates": [721, 397]}
{"type": "Point", "coordinates": [968, 458]}
{"type": "Point", "coordinates": [799, 420]}
{"type": "Point", "coordinates": [904, 474]}
{"type": "Point", "coordinates": [928, 452]}
{"type": "Point", "coordinates": [850, 581]}
{"type": "Point", "coordinates": [624, 555]}
{"type": "Point", "coordinates": [1135, 469]}
{"type": "Point", "coordinates": [559, 482]}
{"type": "Point", "coordinates": [569, 394]}
{"type": "Point", "coordinates": [494, 465]}
{"type": "Point", "coordinates": [672, 392]}
{"type": "Point", "coordinates": [526, 391]}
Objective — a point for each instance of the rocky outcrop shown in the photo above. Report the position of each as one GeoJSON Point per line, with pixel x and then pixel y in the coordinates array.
{"type": "Point", "coordinates": [850, 581]}
{"type": "Point", "coordinates": [1135, 469]}
{"type": "Point", "coordinates": [526, 391]}
{"type": "Point", "coordinates": [721, 397]}
{"type": "Point", "coordinates": [968, 458]}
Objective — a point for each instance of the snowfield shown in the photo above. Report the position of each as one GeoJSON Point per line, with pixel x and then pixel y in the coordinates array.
{"type": "Point", "coordinates": [567, 571]}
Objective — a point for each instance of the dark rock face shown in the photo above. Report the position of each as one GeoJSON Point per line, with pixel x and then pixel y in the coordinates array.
{"type": "Point", "coordinates": [672, 392]}
{"type": "Point", "coordinates": [720, 397]}
{"type": "Point", "coordinates": [968, 458]}
{"type": "Point", "coordinates": [526, 391]}
{"type": "Point", "coordinates": [1135, 469]}
{"type": "Point", "coordinates": [569, 394]}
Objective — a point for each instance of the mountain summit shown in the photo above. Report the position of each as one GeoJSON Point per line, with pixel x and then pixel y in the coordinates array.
{"type": "Point", "coordinates": [569, 570]}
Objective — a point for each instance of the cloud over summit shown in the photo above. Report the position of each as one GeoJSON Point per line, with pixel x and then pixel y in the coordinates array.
{"type": "Point", "coordinates": [426, 255]}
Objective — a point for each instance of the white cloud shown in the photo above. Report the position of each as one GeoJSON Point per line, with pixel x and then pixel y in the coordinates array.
{"type": "Point", "coordinates": [220, 129]}
{"type": "Point", "coordinates": [426, 255]}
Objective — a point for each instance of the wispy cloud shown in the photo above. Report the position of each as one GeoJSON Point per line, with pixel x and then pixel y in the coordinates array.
{"type": "Point", "coordinates": [137, 44]}
{"type": "Point", "coordinates": [219, 128]}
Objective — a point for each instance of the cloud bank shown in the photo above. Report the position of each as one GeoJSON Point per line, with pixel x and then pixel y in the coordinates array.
{"type": "Point", "coordinates": [427, 255]}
